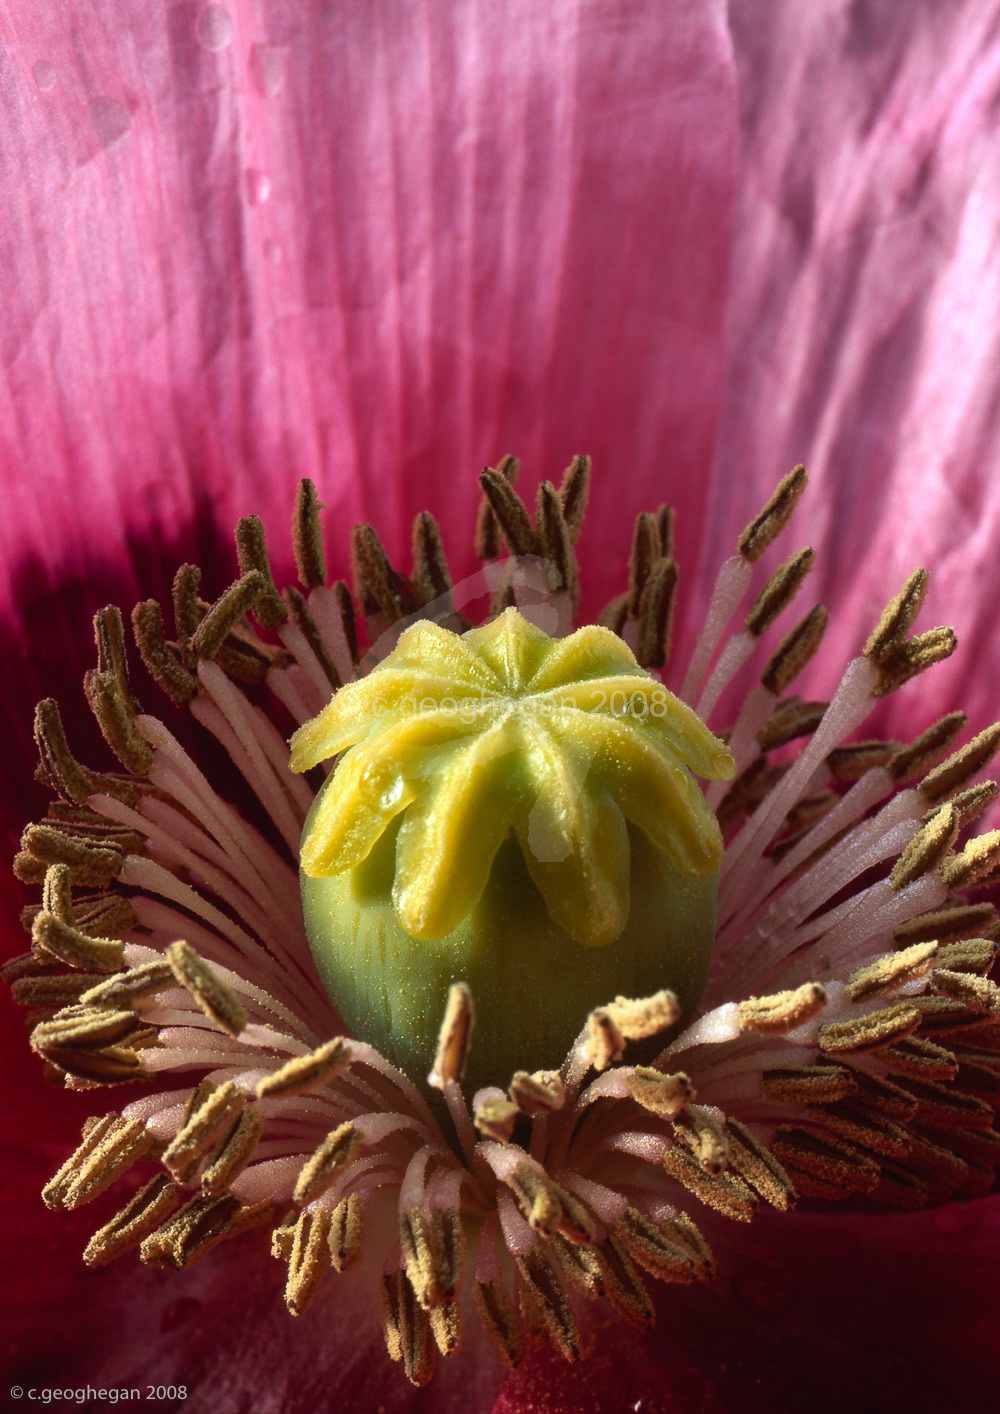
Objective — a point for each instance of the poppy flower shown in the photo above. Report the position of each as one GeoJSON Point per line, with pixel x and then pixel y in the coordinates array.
{"type": "Point", "coordinates": [376, 249]}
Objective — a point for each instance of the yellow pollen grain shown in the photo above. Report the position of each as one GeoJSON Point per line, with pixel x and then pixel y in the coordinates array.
{"type": "Point", "coordinates": [233, 1154]}
{"type": "Point", "coordinates": [308, 1260]}
{"type": "Point", "coordinates": [221, 1107]}
{"type": "Point", "coordinates": [926, 849]}
{"type": "Point", "coordinates": [873, 1028]}
{"type": "Point", "coordinates": [148, 1210]}
{"type": "Point", "coordinates": [758, 1167]}
{"type": "Point", "coordinates": [699, 1129]}
{"type": "Point", "coordinates": [975, 864]}
{"type": "Point", "coordinates": [648, 1245]}
{"type": "Point", "coordinates": [543, 1304]}
{"type": "Point", "coordinates": [499, 1320]}
{"type": "Point", "coordinates": [537, 1094]}
{"type": "Point", "coordinates": [724, 1192]}
{"type": "Point", "coordinates": [347, 1232]}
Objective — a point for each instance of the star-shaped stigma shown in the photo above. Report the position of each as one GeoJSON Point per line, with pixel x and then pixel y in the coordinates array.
{"type": "Point", "coordinates": [468, 737]}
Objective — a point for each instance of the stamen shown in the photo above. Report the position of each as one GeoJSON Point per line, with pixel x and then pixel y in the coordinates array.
{"type": "Point", "coordinates": [212, 1114]}
{"type": "Point", "coordinates": [723, 1191]}
{"type": "Point", "coordinates": [233, 1154]}
{"type": "Point", "coordinates": [648, 1245]}
{"type": "Point", "coordinates": [655, 615]}
{"type": "Point", "coordinates": [433, 1251]}
{"type": "Point", "coordinates": [548, 1207]}
{"type": "Point", "coordinates": [783, 1011]}
{"type": "Point", "coordinates": [216, 1000]}
{"type": "Point", "coordinates": [307, 1260]}
{"type": "Point", "coordinates": [555, 542]}
{"type": "Point", "coordinates": [794, 651]}
{"type": "Point", "coordinates": [544, 1305]}
{"type": "Point", "coordinates": [454, 1038]}
{"type": "Point", "coordinates": [198, 1227]}
{"type": "Point", "coordinates": [304, 1073]}
{"type": "Point", "coordinates": [406, 1328]}
{"type": "Point", "coordinates": [927, 750]}
{"type": "Point", "coordinates": [873, 1028]}
{"type": "Point", "coordinates": [927, 848]}
{"type": "Point", "coordinates": [537, 1094]}
{"type": "Point", "coordinates": [379, 587]}
{"type": "Point", "coordinates": [347, 1233]}
{"type": "Point", "coordinates": [168, 673]}
{"type": "Point", "coordinates": [307, 536]}
{"type": "Point", "coordinates": [216, 626]}
{"type": "Point", "coordinates": [574, 490]}
{"type": "Point", "coordinates": [779, 591]}
{"type": "Point", "coordinates": [764, 529]}
{"type": "Point", "coordinates": [960, 767]}
{"type": "Point", "coordinates": [660, 1094]}
{"type": "Point", "coordinates": [499, 1320]}
{"type": "Point", "coordinates": [251, 547]}
{"type": "Point", "coordinates": [704, 1136]}
{"type": "Point", "coordinates": [509, 511]}
{"type": "Point", "coordinates": [891, 971]}
{"type": "Point", "coordinates": [758, 1167]}
{"type": "Point", "coordinates": [150, 1207]}
{"type": "Point", "coordinates": [487, 538]}
{"type": "Point", "coordinates": [329, 1160]}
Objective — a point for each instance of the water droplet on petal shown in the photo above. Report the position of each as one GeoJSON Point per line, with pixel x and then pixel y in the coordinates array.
{"type": "Point", "coordinates": [45, 75]}
{"type": "Point", "coordinates": [267, 69]}
{"type": "Point", "coordinates": [214, 27]}
{"type": "Point", "coordinates": [109, 119]}
{"type": "Point", "coordinates": [383, 784]}
{"type": "Point", "coordinates": [258, 186]}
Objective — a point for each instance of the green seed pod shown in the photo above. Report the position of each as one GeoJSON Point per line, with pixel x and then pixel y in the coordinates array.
{"type": "Point", "coordinates": [516, 812]}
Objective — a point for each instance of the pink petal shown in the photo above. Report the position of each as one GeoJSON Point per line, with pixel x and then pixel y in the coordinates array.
{"type": "Point", "coordinates": [866, 309]}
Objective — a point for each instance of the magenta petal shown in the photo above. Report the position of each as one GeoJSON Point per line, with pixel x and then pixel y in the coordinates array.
{"type": "Point", "coordinates": [866, 306]}
{"type": "Point", "coordinates": [379, 245]}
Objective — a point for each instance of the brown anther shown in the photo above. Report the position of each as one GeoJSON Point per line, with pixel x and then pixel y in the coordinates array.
{"type": "Point", "coordinates": [891, 971]}
{"type": "Point", "coordinates": [197, 1227]}
{"type": "Point", "coordinates": [251, 548]}
{"type": "Point", "coordinates": [73, 781]}
{"type": "Point", "coordinates": [782, 1011]}
{"type": "Point", "coordinates": [84, 1027]}
{"type": "Point", "coordinates": [303, 1073]}
{"type": "Point", "coordinates": [95, 1130]}
{"type": "Point", "coordinates": [110, 635]}
{"type": "Point", "coordinates": [548, 1207]}
{"type": "Point", "coordinates": [976, 993]}
{"type": "Point", "coordinates": [660, 1094]}
{"type": "Point", "coordinates": [947, 925]}
{"type": "Point", "coordinates": [724, 1192]}
{"type": "Point", "coordinates": [544, 1305]}
{"type": "Point", "coordinates": [509, 510]}
{"type": "Point", "coordinates": [779, 591]}
{"type": "Point", "coordinates": [555, 543]}
{"type": "Point", "coordinates": [655, 615]}
{"type": "Point", "coordinates": [233, 1154]}
{"type": "Point", "coordinates": [104, 915]}
{"type": "Point", "coordinates": [329, 1160]}
{"type": "Point", "coordinates": [605, 1044]}
{"type": "Point", "coordinates": [926, 849]}
{"type": "Point", "coordinates": [974, 801]}
{"type": "Point", "coordinates": [151, 1206]}
{"type": "Point", "coordinates": [347, 1233]}
{"type": "Point", "coordinates": [920, 1058]}
{"type": "Point", "coordinates": [970, 955]}
{"type": "Point", "coordinates": [644, 1016]}
{"type": "Point", "coordinates": [908, 763]}
{"type": "Point", "coordinates": [849, 763]}
{"type": "Point", "coordinates": [900, 661]}
{"type": "Point", "coordinates": [379, 588]}
{"type": "Point", "coordinates": [219, 1003]}
{"type": "Point", "coordinates": [66, 989]}
{"type": "Point", "coordinates": [215, 1113]}
{"type": "Point", "coordinates": [495, 1118]}
{"type": "Point", "coordinates": [454, 1038]}
{"type": "Point", "coordinates": [433, 1251]}
{"type": "Point", "coordinates": [873, 1134]}
{"type": "Point", "coordinates": [646, 552]}
{"type": "Point", "coordinates": [790, 719]}
{"type": "Point", "coordinates": [947, 1105]}
{"type": "Point", "coordinates": [614, 614]}
{"type": "Point", "coordinates": [574, 490]}
{"type": "Point", "coordinates": [75, 948]}
{"type": "Point", "coordinates": [308, 1259]}
{"type": "Point", "coordinates": [975, 864]}
{"type": "Point", "coordinates": [899, 614]}
{"type": "Point", "coordinates": [499, 1321]}
{"type": "Point", "coordinates": [806, 1084]}
{"type": "Point", "coordinates": [116, 722]}
{"type": "Point", "coordinates": [213, 630]}
{"type": "Point", "coordinates": [90, 865]}
{"type": "Point", "coordinates": [188, 607]}
{"type": "Point", "coordinates": [431, 579]}
{"type": "Point", "coordinates": [125, 988]}
{"type": "Point", "coordinates": [623, 1286]}
{"type": "Point", "coordinates": [348, 617]}
{"type": "Point", "coordinates": [871, 1029]}
{"type": "Point", "coordinates": [537, 1094]}
{"type": "Point", "coordinates": [648, 1245]}
{"type": "Point", "coordinates": [795, 650]}
{"type": "Point", "coordinates": [764, 529]}
{"type": "Point", "coordinates": [959, 768]}
{"type": "Point", "coordinates": [120, 1145]}
{"type": "Point", "coordinates": [487, 538]}
{"type": "Point", "coordinates": [758, 1167]}
{"type": "Point", "coordinates": [306, 624]}
{"type": "Point", "coordinates": [307, 536]}
{"type": "Point", "coordinates": [283, 1235]}
{"type": "Point", "coordinates": [406, 1328]}
{"type": "Point", "coordinates": [580, 1265]}
{"type": "Point", "coordinates": [834, 1163]}
{"type": "Point", "coordinates": [161, 660]}
{"type": "Point", "coordinates": [748, 790]}
{"type": "Point", "coordinates": [699, 1129]}
{"type": "Point", "coordinates": [446, 1327]}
